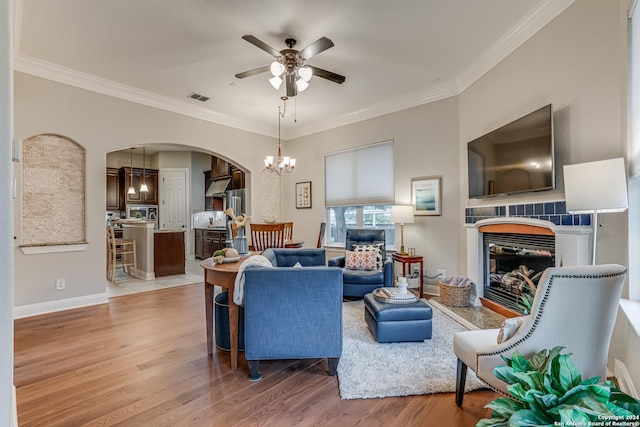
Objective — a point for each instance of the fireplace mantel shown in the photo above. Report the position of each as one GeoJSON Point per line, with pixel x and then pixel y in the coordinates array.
{"type": "Point", "coordinates": [573, 245]}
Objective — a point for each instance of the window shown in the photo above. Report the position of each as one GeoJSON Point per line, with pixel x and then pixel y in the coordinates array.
{"type": "Point", "coordinates": [340, 218]}
{"type": "Point", "coordinates": [359, 191]}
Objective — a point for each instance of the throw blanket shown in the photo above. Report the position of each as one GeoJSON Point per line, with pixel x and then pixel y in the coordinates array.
{"type": "Point", "coordinates": [238, 293]}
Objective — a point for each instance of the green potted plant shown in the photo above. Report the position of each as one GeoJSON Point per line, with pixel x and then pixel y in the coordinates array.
{"type": "Point", "coordinates": [548, 390]}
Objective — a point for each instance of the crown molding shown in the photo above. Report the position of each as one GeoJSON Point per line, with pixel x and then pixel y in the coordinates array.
{"type": "Point", "coordinates": [68, 76]}
{"type": "Point", "coordinates": [393, 105]}
{"type": "Point", "coordinates": [545, 12]}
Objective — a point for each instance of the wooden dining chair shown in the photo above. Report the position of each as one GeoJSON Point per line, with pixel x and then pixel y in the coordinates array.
{"type": "Point", "coordinates": [288, 231]}
{"type": "Point", "coordinates": [323, 228]}
{"type": "Point", "coordinates": [120, 253]}
{"type": "Point", "coordinates": [265, 236]}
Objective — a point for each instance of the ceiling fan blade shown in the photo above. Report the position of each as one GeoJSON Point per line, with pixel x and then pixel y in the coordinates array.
{"type": "Point", "coordinates": [319, 72]}
{"type": "Point", "coordinates": [252, 72]}
{"type": "Point", "coordinates": [262, 45]}
{"type": "Point", "coordinates": [315, 48]}
{"type": "Point", "coordinates": [292, 89]}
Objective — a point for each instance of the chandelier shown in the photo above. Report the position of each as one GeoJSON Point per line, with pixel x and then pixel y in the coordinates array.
{"type": "Point", "coordinates": [290, 66]}
{"type": "Point", "coordinates": [280, 163]}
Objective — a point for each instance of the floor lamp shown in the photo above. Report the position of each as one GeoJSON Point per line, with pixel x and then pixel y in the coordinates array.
{"type": "Point", "coordinates": [596, 187]}
{"type": "Point", "coordinates": [402, 214]}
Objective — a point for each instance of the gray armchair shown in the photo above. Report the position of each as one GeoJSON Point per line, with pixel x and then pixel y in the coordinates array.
{"type": "Point", "coordinates": [358, 283]}
{"type": "Point", "coordinates": [574, 307]}
{"type": "Point", "coordinates": [292, 312]}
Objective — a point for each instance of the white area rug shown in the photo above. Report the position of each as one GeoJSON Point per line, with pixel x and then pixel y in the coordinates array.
{"type": "Point", "coordinates": [368, 369]}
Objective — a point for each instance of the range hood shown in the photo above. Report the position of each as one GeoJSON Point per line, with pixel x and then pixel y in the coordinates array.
{"type": "Point", "coordinates": [218, 187]}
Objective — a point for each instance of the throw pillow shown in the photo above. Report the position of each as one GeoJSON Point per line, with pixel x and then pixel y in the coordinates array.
{"type": "Point", "coordinates": [360, 260]}
{"type": "Point", "coordinates": [510, 327]}
{"type": "Point", "coordinates": [377, 247]}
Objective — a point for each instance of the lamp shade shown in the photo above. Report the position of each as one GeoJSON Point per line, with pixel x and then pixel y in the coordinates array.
{"type": "Point", "coordinates": [402, 214]}
{"type": "Point", "coordinates": [596, 186]}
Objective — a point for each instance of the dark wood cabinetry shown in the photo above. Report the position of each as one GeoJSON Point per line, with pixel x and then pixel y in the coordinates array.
{"type": "Point", "coordinates": [211, 203]}
{"type": "Point", "coordinates": [168, 253]}
{"type": "Point", "coordinates": [135, 178]}
{"type": "Point", "coordinates": [209, 241]}
{"type": "Point", "coordinates": [237, 178]}
{"type": "Point", "coordinates": [219, 167]}
{"type": "Point", "coordinates": [113, 189]}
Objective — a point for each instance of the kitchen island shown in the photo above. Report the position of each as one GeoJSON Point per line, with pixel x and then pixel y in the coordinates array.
{"type": "Point", "coordinates": [159, 252]}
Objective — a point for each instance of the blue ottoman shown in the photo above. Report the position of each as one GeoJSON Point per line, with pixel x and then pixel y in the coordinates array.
{"type": "Point", "coordinates": [398, 322]}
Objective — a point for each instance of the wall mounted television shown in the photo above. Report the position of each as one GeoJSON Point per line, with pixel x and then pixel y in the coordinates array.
{"type": "Point", "coordinates": [515, 158]}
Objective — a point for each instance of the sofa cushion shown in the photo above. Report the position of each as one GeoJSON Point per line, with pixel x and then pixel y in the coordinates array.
{"type": "Point", "coordinates": [363, 277]}
{"type": "Point", "coordinates": [360, 260]}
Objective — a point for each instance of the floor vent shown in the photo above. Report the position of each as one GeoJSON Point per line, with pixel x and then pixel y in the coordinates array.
{"type": "Point", "coordinates": [197, 96]}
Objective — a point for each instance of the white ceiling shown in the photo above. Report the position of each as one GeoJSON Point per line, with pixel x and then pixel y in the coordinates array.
{"type": "Point", "coordinates": [394, 54]}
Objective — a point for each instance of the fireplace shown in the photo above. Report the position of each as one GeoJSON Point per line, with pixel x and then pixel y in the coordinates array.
{"type": "Point", "coordinates": [513, 264]}
{"type": "Point", "coordinates": [498, 246]}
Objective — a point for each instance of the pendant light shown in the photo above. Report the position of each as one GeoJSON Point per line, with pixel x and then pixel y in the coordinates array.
{"type": "Point", "coordinates": [143, 187]}
{"type": "Point", "coordinates": [280, 163]}
{"type": "Point", "coordinates": [131, 189]}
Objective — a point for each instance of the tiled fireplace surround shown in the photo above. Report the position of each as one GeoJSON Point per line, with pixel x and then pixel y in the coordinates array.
{"type": "Point", "coordinates": [572, 233]}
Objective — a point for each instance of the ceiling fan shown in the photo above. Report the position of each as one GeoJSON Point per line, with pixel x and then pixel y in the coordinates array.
{"type": "Point", "coordinates": [289, 65]}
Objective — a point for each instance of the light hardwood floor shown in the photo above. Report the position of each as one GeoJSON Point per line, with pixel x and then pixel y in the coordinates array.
{"type": "Point", "coordinates": [141, 360]}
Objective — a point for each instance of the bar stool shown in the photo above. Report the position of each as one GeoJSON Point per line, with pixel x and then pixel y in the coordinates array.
{"type": "Point", "coordinates": [120, 253]}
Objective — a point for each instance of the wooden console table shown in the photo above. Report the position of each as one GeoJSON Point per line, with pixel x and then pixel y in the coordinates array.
{"type": "Point", "coordinates": [407, 260]}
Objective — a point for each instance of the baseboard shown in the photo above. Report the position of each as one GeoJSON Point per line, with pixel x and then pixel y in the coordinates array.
{"type": "Point", "coordinates": [14, 409]}
{"type": "Point", "coordinates": [59, 305]}
{"type": "Point", "coordinates": [624, 379]}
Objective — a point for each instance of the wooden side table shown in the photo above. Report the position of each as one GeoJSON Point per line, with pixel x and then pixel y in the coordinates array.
{"type": "Point", "coordinates": [407, 260]}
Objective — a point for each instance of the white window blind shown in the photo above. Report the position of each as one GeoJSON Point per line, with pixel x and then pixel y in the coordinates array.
{"type": "Point", "coordinates": [360, 176]}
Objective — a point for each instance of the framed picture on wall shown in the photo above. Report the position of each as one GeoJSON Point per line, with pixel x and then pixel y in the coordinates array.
{"type": "Point", "coordinates": [303, 195]}
{"type": "Point", "coordinates": [425, 195]}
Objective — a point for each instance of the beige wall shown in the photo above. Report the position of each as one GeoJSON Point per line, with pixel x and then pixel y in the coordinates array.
{"type": "Point", "coordinates": [425, 144]}
{"type": "Point", "coordinates": [102, 124]}
{"type": "Point", "coordinates": [578, 62]}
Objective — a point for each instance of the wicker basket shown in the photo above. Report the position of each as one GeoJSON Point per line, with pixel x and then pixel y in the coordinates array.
{"type": "Point", "coordinates": [455, 295]}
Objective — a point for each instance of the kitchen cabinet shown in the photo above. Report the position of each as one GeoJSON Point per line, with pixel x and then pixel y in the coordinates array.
{"type": "Point", "coordinates": [127, 179]}
{"type": "Point", "coordinates": [113, 189]}
{"type": "Point", "coordinates": [237, 178]}
{"type": "Point", "coordinates": [209, 241]}
{"type": "Point", "coordinates": [168, 253]}
{"type": "Point", "coordinates": [199, 250]}
{"type": "Point", "coordinates": [219, 168]}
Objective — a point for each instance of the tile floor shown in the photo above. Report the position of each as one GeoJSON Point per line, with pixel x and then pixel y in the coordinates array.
{"type": "Point", "coordinates": [126, 285]}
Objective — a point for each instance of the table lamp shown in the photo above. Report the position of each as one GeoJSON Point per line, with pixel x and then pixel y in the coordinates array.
{"type": "Point", "coordinates": [596, 187]}
{"type": "Point", "coordinates": [402, 214]}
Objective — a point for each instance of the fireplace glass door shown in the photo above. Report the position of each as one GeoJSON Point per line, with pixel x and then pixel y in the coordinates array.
{"type": "Point", "coordinates": [513, 264]}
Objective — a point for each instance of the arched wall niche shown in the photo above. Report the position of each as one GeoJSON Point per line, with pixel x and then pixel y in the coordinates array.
{"type": "Point", "coordinates": [53, 191]}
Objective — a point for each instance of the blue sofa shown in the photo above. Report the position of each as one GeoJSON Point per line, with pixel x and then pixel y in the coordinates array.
{"type": "Point", "coordinates": [292, 312]}
{"type": "Point", "coordinates": [358, 283]}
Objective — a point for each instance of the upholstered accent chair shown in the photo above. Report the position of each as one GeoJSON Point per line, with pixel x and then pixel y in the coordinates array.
{"type": "Point", "coordinates": [574, 307]}
{"type": "Point", "coordinates": [292, 312]}
{"type": "Point", "coordinates": [358, 283]}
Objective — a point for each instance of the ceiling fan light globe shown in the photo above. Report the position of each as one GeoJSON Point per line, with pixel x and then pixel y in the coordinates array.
{"type": "Point", "coordinates": [276, 69]}
{"type": "Point", "coordinates": [305, 73]}
{"type": "Point", "coordinates": [276, 82]}
{"type": "Point", "coordinates": [302, 85]}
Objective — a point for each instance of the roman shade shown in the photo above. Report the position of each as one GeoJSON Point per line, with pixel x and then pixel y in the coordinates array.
{"type": "Point", "coordinates": [360, 176]}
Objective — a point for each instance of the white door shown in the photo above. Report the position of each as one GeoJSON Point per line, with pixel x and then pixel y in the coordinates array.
{"type": "Point", "coordinates": [173, 199]}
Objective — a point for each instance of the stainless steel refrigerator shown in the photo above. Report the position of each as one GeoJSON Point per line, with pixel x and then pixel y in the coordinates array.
{"type": "Point", "coordinates": [234, 199]}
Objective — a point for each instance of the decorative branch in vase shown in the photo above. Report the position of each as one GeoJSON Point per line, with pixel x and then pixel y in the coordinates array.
{"type": "Point", "coordinates": [240, 241]}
